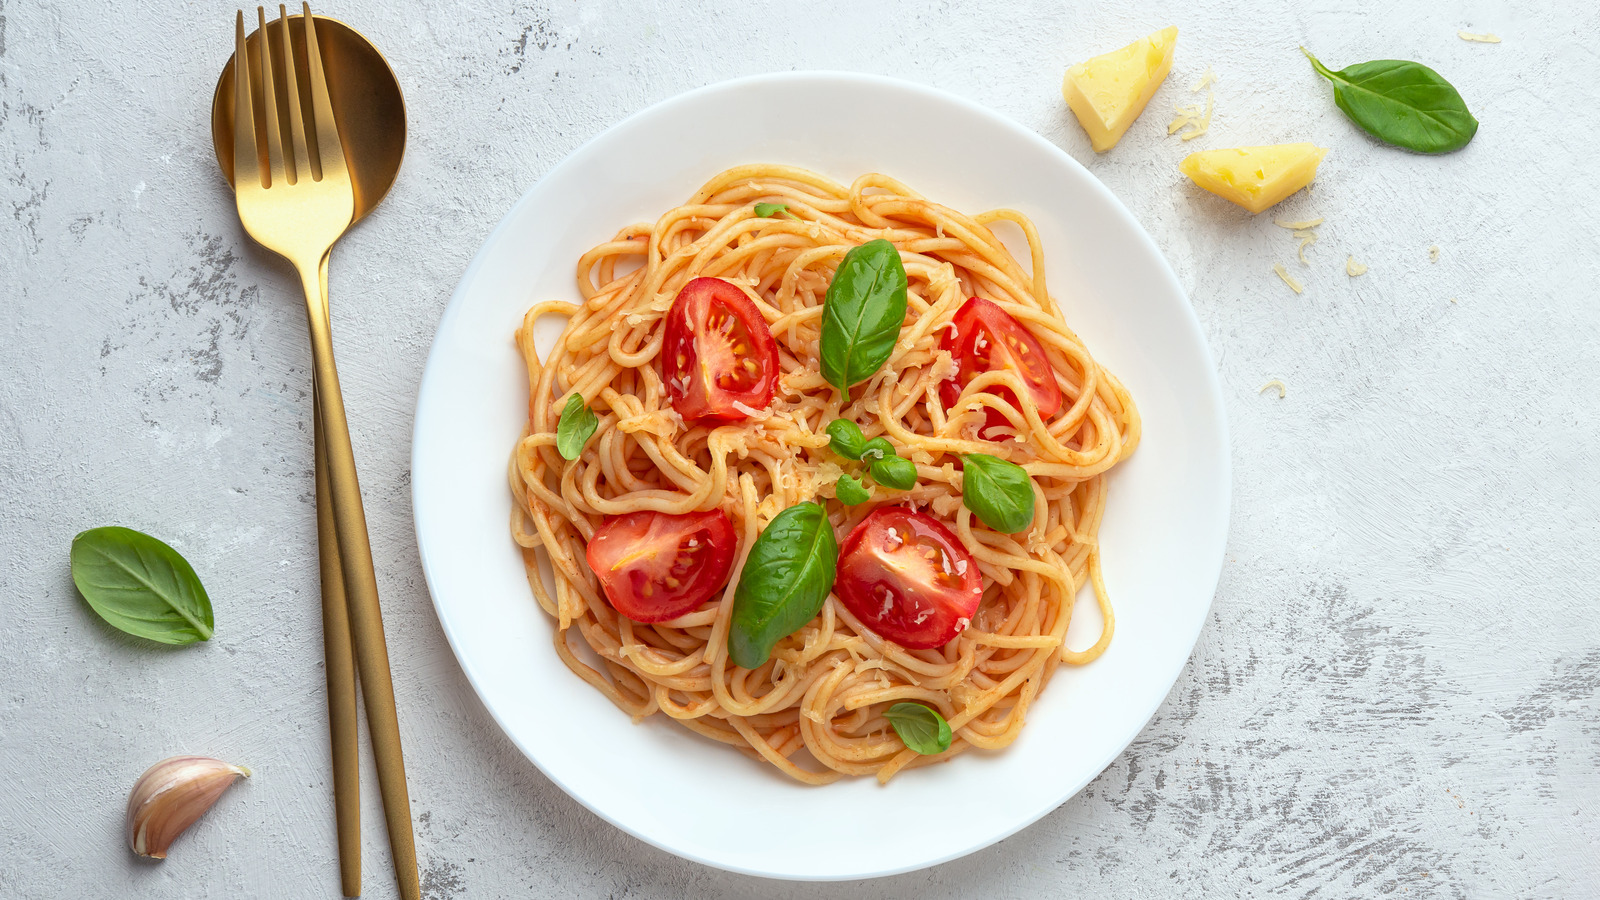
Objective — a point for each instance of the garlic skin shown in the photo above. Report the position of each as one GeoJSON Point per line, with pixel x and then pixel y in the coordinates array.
{"type": "Point", "coordinates": [170, 796]}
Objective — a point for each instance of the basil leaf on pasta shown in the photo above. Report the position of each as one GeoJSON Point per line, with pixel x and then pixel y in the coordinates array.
{"type": "Point", "coordinates": [876, 449]}
{"type": "Point", "coordinates": [850, 491]}
{"type": "Point", "coordinates": [895, 472]}
{"type": "Point", "coordinates": [998, 492]}
{"type": "Point", "coordinates": [578, 423]}
{"type": "Point", "coordinates": [845, 438]}
{"type": "Point", "coordinates": [862, 314]}
{"type": "Point", "coordinates": [773, 210]}
{"type": "Point", "coordinates": [920, 727]}
{"type": "Point", "coordinates": [141, 586]}
{"type": "Point", "coordinates": [785, 580]}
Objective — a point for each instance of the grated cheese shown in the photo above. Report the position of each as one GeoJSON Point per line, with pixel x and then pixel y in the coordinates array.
{"type": "Point", "coordinates": [1485, 38]}
{"type": "Point", "coordinates": [1288, 279]}
{"type": "Point", "coordinates": [1433, 253]}
{"type": "Point", "coordinates": [1196, 116]}
{"type": "Point", "coordinates": [1274, 383]}
{"type": "Point", "coordinates": [1297, 226]}
{"type": "Point", "coordinates": [1206, 80]}
{"type": "Point", "coordinates": [1353, 268]}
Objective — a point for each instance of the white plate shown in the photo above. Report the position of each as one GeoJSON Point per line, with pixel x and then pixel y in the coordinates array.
{"type": "Point", "coordinates": [1163, 536]}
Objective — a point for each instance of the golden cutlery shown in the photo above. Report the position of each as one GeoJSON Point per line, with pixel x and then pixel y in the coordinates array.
{"type": "Point", "coordinates": [298, 204]}
{"type": "Point", "coordinates": [370, 113]}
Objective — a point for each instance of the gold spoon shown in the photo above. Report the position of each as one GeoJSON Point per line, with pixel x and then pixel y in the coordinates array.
{"type": "Point", "coordinates": [370, 111]}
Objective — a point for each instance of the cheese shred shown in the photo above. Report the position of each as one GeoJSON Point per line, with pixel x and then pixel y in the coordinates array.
{"type": "Point", "coordinates": [1274, 383]}
{"type": "Point", "coordinates": [1288, 279]}
{"type": "Point", "coordinates": [1207, 78]}
{"type": "Point", "coordinates": [1485, 38]}
{"type": "Point", "coordinates": [1353, 268]}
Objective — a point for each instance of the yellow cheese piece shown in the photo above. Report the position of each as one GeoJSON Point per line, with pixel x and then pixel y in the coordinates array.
{"type": "Point", "coordinates": [1254, 177]}
{"type": "Point", "coordinates": [1108, 92]}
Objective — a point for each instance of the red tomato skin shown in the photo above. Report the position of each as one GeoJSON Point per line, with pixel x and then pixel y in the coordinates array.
{"type": "Point", "coordinates": [704, 571]}
{"type": "Point", "coordinates": [982, 317]}
{"type": "Point", "coordinates": [891, 603]}
{"type": "Point", "coordinates": [685, 340]}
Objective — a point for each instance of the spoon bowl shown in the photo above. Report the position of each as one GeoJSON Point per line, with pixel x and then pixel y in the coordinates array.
{"type": "Point", "coordinates": [366, 99]}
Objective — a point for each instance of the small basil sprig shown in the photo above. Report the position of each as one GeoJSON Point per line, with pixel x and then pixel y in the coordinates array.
{"type": "Point", "coordinates": [846, 439]}
{"type": "Point", "coordinates": [999, 493]}
{"type": "Point", "coordinates": [578, 423]}
{"type": "Point", "coordinates": [773, 210]}
{"type": "Point", "coordinates": [1402, 103]}
{"type": "Point", "coordinates": [920, 727]}
{"type": "Point", "coordinates": [862, 314]}
{"type": "Point", "coordinates": [886, 466]}
{"type": "Point", "coordinates": [850, 491]}
{"type": "Point", "coordinates": [786, 577]}
{"type": "Point", "coordinates": [140, 585]}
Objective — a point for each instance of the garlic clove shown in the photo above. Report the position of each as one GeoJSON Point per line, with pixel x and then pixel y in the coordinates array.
{"type": "Point", "coordinates": [170, 796]}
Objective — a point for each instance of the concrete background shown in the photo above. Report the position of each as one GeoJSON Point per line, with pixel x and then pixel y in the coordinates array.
{"type": "Point", "coordinates": [1395, 693]}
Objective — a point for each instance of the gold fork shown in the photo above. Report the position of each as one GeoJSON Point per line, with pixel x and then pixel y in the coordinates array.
{"type": "Point", "coordinates": [298, 206]}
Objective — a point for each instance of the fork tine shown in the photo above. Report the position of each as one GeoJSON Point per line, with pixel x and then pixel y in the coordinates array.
{"type": "Point", "coordinates": [330, 151]}
{"type": "Point", "coordinates": [297, 124]}
{"type": "Point", "coordinates": [246, 158]}
{"type": "Point", "coordinates": [269, 94]}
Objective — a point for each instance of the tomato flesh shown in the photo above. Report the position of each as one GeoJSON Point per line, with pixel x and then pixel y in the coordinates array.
{"type": "Point", "coordinates": [718, 357]}
{"type": "Point", "coordinates": [988, 339]}
{"type": "Point", "coordinates": [657, 566]}
{"type": "Point", "coordinates": [907, 577]}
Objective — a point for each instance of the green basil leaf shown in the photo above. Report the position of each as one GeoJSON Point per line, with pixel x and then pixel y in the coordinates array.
{"type": "Point", "coordinates": [140, 585]}
{"type": "Point", "coordinates": [999, 493]}
{"type": "Point", "coordinates": [920, 727]}
{"type": "Point", "coordinates": [578, 423]}
{"type": "Point", "coordinates": [1402, 103]}
{"type": "Point", "coordinates": [773, 210]}
{"type": "Point", "coordinates": [863, 313]}
{"type": "Point", "coordinates": [876, 449]}
{"type": "Point", "coordinates": [845, 437]}
{"type": "Point", "coordinates": [896, 472]}
{"type": "Point", "coordinates": [786, 578]}
{"type": "Point", "coordinates": [849, 491]}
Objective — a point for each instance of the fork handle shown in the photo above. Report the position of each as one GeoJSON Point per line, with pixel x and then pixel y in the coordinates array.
{"type": "Point", "coordinates": [339, 661]}
{"type": "Point", "coordinates": [361, 587]}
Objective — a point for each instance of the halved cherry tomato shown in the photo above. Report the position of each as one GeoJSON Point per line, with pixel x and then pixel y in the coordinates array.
{"type": "Point", "coordinates": [905, 576]}
{"type": "Point", "coordinates": [718, 358]}
{"type": "Point", "coordinates": [988, 339]}
{"type": "Point", "coordinates": [657, 566]}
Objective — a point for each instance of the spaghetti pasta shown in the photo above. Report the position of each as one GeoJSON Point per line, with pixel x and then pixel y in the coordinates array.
{"type": "Point", "coordinates": [815, 709]}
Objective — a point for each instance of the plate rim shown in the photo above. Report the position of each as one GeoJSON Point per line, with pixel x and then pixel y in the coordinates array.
{"type": "Point", "coordinates": [1190, 322]}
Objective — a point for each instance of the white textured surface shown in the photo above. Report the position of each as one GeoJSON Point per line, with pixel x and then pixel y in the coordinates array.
{"type": "Point", "coordinates": [1397, 689]}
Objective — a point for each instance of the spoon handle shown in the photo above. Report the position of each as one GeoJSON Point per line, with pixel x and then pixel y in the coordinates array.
{"type": "Point", "coordinates": [361, 587]}
{"type": "Point", "coordinates": [340, 664]}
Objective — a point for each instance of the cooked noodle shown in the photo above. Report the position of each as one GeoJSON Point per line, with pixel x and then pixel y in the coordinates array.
{"type": "Point", "coordinates": [823, 692]}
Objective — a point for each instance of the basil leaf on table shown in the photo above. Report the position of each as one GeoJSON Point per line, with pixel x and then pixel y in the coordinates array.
{"type": "Point", "coordinates": [773, 210]}
{"type": "Point", "coordinates": [846, 439]}
{"type": "Point", "coordinates": [999, 493]}
{"type": "Point", "coordinates": [140, 585]}
{"type": "Point", "coordinates": [920, 727]}
{"type": "Point", "coordinates": [895, 472]}
{"type": "Point", "coordinates": [785, 580]}
{"type": "Point", "coordinates": [578, 423]}
{"type": "Point", "coordinates": [1402, 103]}
{"type": "Point", "coordinates": [850, 491]}
{"type": "Point", "coordinates": [862, 314]}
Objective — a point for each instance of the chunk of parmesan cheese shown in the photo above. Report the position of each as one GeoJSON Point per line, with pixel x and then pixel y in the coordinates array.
{"type": "Point", "coordinates": [1288, 279]}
